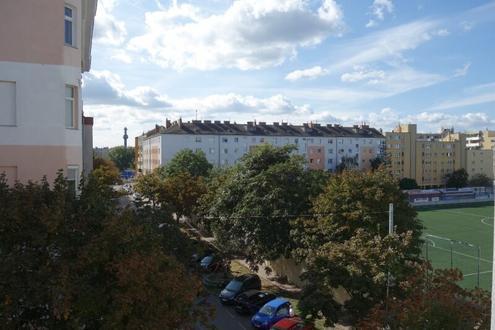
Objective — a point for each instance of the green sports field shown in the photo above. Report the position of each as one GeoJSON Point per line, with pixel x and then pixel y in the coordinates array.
{"type": "Point", "coordinates": [452, 236]}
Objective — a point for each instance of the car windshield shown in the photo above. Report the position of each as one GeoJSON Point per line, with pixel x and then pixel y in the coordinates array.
{"type": "Point", "coordinates": [207, 260]}
{"type": "Point", "coordinates": [267, 310]}
{"type": "Point", "coordinates": [234, 285]}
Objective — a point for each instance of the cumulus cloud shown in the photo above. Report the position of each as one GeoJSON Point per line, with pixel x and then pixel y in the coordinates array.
{"type": "Point", "coordinates": [311, 73]}
{"type": "Point", "coordinates": [379, 9]}
{"type": "Point", "coordinates": [248, 35]}
{"type": "Point", "coordinates": [108, 30]}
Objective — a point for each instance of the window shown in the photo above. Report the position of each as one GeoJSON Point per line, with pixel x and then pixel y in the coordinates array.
{"type": "Point", "coordinates": [69, 26]}
{"type": "Point", "coordinates": [198, 139]}
{"type": "Point", "coordinates": [225, 151]}
{"type": "Point", "coordinates": [225, 140]}
{"type": "Point", "coordinates": [236, 139]}
{"type": "Point", "coordinates": [8, 104]}
{"type": "Point", "coordinates": [211, 150]}
{"type": "Point", "coordinates": [262, 140]}
{"type": "Point", "coordinates": [330, 161]}
{"type": "Point", "coordinates": [330, 141]}
{"type": "Point", "coordinates": [70, 106]}
{"type": "Point", "coordinates": [73, 178]}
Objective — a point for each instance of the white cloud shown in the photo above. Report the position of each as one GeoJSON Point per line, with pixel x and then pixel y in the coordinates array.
{"type": "Point", "coordinates": [108, 30]}
{"type": "Point", "coordinates": [122, 56]}
{"type": "Point", "coordinates": [361, 73]}
{"type": "Point", "coordinates": [442, 33]}
{"type": "Point", "coordinates": [467, 25]}
{"type": "Point", "coordinates": [461, 72]}
{"type": "Point", "coordinates": [250, 34]}
{"type": "Point", "coordinates": [379, 9]}
{"type": "Point", "coordinates": [311, 73]}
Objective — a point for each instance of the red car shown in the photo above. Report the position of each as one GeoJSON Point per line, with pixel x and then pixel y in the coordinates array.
{"type": "Point", "coordinates": [291, 323]}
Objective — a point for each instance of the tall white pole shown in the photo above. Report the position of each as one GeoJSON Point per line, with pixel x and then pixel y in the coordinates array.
{"type": "Point", "coordinates": [391, 218]}
{"type": "Point", "coordinates": [493, 255]}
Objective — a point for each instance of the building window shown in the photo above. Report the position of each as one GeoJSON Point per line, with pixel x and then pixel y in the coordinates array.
{"type": "Point", "coordinates": [198, 139]}
{"type": "Point", "coordinates": [212, 150]}
{"type": "Point", "coordinates": [70, 106]}
{"type": "Point", "coordinates": [330, 151]}
{"type": "Point", "coordinates": [330, 161]}
{"type": "Point", "coordinates": [262, 140]}
{"type": "Point", "coordinates": [69, 26]}
{"type": "Point", "coordinates": [73, 178]}
{"type": "Point", "coordinates": [225, 151]}
{"type": "Point", "coordinates": [296, 141]}
{"type": "Point", "coordinates": [225, 140]}
{"type": "Point", "coordinates": [236, 139]}
{"type": "Point", "coordinates": [330, 141]}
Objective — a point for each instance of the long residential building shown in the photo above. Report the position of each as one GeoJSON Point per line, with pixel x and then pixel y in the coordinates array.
{"type": "Point", "coordinates": [429, 157]}
{"type": "Point", "coordinates": [224, 143]}
{"type": "Point", "coordinates": [45, 45]}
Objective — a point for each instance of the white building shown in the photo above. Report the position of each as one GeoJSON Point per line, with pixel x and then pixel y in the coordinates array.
{"type": "Point", "coordinates": [323, 146]}
{"type": "Point", "coordinates": [45, 45]}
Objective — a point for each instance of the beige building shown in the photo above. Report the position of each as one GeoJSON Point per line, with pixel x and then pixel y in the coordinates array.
{"type": "Point", "coordinates": [429, 157]}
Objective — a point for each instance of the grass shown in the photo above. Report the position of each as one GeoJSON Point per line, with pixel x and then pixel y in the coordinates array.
{"type": "Point", "coordinates": [452, 236]}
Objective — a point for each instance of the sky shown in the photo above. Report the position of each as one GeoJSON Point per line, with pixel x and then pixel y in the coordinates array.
{"type": "Point", "coordinates": [379, 62]}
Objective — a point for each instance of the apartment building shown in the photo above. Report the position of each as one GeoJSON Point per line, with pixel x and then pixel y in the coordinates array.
{"type": "Point", "coordinates": [45, 45]}
{"type": "Point", "coordinates": [481, 140]}
{"type": "Point", "coordinates": [429, 157]}
{"type": "Point", "coordinates": [224, 143]}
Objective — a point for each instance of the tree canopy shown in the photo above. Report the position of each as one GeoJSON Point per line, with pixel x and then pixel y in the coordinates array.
{"type": "Point", "coordinates": [122, 157]}
{"type": "Point", "coordinates": [78, 262]}
{"type": "Point", "coordinates": [480, 180]}
{"type": "Point", "coordinates": [408, 183]}
{"type": "Point", "coordinates": [192, 162]}
{"type": "Point", "coordinates": [250, 211]}
{"type": "Point", "coordinates": [106, 171]}
{"type": "Point", "coordinates": [457, 179]}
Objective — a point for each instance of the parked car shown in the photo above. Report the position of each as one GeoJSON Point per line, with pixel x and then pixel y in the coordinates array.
{"type": "Point", "coordinates": [272, 312]}
{"type": "Point", "coordinates": [211, 263]}
{"type": "Point", "coordinates": [239, 285]}
{"type": "Point", "coordinates": [251, 301]}
{"type": "Point", "coordinates": [291, 323]}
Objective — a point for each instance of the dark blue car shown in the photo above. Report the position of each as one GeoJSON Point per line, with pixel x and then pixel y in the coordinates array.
{"type": "Point", "coordinates": [272, 312]}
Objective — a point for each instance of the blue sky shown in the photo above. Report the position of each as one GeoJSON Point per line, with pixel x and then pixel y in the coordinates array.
{"type": "Point", "coordinates": [375, 61]}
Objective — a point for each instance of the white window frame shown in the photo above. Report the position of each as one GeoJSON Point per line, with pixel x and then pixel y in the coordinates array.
{"type": "Point", "coordinates": [72, 99]}
{"type": "Point", "coordinates": [73, 22]}
{"type": "Point", "coordinates": [76, 178]}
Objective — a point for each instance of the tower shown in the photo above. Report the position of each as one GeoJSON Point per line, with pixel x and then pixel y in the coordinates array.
{"type": "Point", "coordinates": [125, 137]}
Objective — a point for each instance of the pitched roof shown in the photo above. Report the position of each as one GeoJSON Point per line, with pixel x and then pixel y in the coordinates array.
{"type": "Point", "coordinates": [207, 127]}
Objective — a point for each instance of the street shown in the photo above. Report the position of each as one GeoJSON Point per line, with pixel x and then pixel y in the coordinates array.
{"type": "Point", "coordinates": [226, 318]}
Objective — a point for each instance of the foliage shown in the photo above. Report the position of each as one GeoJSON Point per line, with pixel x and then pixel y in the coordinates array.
{"type": "Point", "coordinates": [457, 179]}
{"type": "Point", "coordinates": [252, 202]}
{"type": "Point", "coordinates": [351, 201]}
{"type": "Point", "coordinates": [432, 300]}
{"type": "Point", "coordinates": [480, 180]}
{"type": "Point", "coordinates": [358, 265]}
{"type": "Point", "coordinates": [378, 161]}
{"type": "Point", "coordinates": [195, 163]}
{"type": "Point", "coordinates": [122, 157]}
{"type": "Point", "coordinates": [347, 164]}
{"type": "Point", "coordinates": [150, 187]}
{"type": "Point", "coordinates": [106, 172]}
{"type": "Point", "coordinates": [407, 184]}
{"type": "Point", "coordinates": [72, 262]}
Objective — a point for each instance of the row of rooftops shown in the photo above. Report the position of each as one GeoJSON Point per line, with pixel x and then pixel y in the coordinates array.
{"type": "Point", "coordinates": [208, 127]}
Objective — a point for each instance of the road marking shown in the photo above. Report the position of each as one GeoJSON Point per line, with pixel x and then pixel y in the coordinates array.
{"type": "Point", "coordinates": [463, 254]}
{"type": "Point", "coordinates": [432, 242]}
{"type": "Point", "coordinates": [485, 272]}
{"type": "Point", "coordinates": [483, 222]}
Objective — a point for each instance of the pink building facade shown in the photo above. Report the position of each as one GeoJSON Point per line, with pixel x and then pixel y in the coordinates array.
{"type": "Point", "coordinates": [45, 46]}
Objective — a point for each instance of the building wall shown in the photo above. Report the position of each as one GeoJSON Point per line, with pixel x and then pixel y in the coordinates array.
{"type": "Point", "coordinates": [87, 145]}
{"type": "Point", "coordinates": [480, 162]}
{"type": "Point", "coordinates": [35, 67]}
{"type": "Point", "coordinates": [226, 150]}
{"type": "Point", "coordinates": [488, 140]}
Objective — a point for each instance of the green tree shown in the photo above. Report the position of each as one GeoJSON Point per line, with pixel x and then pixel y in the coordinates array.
{"type": "Point", "coordinates": [351, 201]}
{"type": "Point", "coordinates": [347, 164]}
{"type": "Point", "coordinates": [251, 210]}
{"type": "Point", "coordinates": [480, 180]}
{"type": "Point", "coordinates": [407, 184]}
{"type": "Point", "coordinates": [122, 157]}
{"type": "Point", "coordinates": [106, 171]}
{"type": "Point", "coordinates": [358, 265]}
{"type": "Point", "coordinates": [457, 179]}
{"type": "Point", "coordinates": [186, 160]}
{"type": "Point", "coordinates": [432, 300]}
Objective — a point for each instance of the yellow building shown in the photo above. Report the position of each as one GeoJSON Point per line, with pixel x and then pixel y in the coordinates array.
{"type": "Point", "coordinates": [429, 157]}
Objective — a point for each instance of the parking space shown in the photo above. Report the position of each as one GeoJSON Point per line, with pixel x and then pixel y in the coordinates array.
{"type": "Point", "coordinates": [225, 316]}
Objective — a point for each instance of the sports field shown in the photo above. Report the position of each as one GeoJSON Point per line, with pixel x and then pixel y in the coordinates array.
{"type": "Point", "coordinates": [452, 237]}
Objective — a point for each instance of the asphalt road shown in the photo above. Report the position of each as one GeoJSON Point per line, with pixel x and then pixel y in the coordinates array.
{"type": "Point", "coordinates": [226, 318]}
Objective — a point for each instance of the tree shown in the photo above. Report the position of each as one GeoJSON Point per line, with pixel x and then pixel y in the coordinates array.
{"type": "Point", "coordinates": [360, 266]}
{"type": "Point", "coordinates": [407, 184]}
{"type": "Point", "coordinates": [480, 180]}
{"type": "Point", "coordinates": [251, 210]}
{"type": "Point", "coordinates": [195, 163]}
{"type": "Point", "coordinates": [378, 162]}
{"type": "Point", "coordinates": [432, 300]}
{"type": "Point", "coordinates": [106, 171]}
{"type": "Point", "coordinates": [78, 262]}
{"type": "Point", "coordinates": [457, 179]}
{"type": "Point", "coordinates": [354, 200]}
{"type": "Point", "coordinates": [122, 157]}
{"type": "Point", "coordinates": [347, 164]}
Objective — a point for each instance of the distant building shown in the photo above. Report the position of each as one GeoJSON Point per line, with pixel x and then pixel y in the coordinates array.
{"type": "Point", "coordinates": [429, 157]}
{"type": "Point", "coordinates": [45, 45]}
{"type": "Point", "coordinates": [224, 143]}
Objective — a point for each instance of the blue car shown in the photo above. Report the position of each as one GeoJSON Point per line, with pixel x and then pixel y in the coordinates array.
{"type": "Point", "coordinates": [272, 312]}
